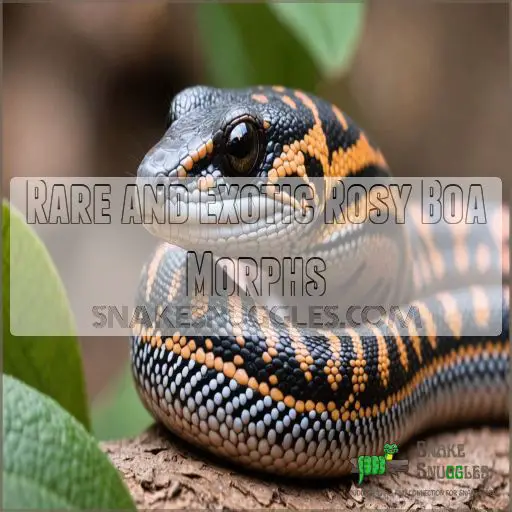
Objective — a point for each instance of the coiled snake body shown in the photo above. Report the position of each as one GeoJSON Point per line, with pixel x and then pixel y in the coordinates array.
{"type": "Point", "coordinates": [280, 399]}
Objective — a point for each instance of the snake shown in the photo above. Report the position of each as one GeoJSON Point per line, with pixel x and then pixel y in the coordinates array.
{"type": "Point", "coordinates": [279, 398]}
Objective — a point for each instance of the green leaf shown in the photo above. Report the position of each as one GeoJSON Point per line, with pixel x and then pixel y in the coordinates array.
{"type": "Point", "coordinates": [118, 412]}
{"type": "Point", "coordinates": [328, 30]}
{"type": "Point", "coordinates": [245, 44]}
{"type": "Point", "coordinates": [37, 302]}
{"type": "Point", "coordinates": [49, 459]}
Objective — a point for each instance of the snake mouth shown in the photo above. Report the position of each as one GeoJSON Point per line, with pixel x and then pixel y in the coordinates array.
{"type": "Point", "coordinates": [221, 223]}
{"type": "Point", "coordinates": [201, 220]}
{"type": "Point", "coordinates": [228, 214]}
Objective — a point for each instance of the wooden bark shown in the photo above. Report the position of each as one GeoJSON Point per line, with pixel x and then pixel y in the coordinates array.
{"type": "Point", "coordinates": [163, 472]}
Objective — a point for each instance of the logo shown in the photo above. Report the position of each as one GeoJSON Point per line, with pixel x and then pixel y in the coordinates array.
{"type": "Point", "coordinates": [367, 465]}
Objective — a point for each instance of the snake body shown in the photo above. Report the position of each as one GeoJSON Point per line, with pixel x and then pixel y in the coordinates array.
{"type": "Point", "coordinates": [274, 397]}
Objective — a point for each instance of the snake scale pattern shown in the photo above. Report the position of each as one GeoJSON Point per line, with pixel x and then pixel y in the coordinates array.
{"type": "Point", "coordinates": [275, 399]}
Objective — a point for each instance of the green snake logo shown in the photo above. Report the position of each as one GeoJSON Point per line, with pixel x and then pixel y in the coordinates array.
{"type": "Point", "coordinates": [375, 464]}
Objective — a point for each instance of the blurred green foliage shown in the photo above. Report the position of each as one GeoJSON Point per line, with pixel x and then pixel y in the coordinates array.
{"type": "Point", "coordinates": [51, 364]}
{"type": "Point", "coordinates": [247, 45]}
{"type": "Point", "coordinates": [329, 32]}
{"type": "Point", "coordinates": [295, 45]}
{"type": "Point", "coordinates": [119, 411]}
{"type": "Point", "coordinates": [290, 44]}
{"type": "Point", "coordinates": [49, 459]}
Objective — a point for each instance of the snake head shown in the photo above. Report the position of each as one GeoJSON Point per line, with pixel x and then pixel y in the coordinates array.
{"type": "Point", "coordinates": [216, 137]}
{"type": "Point", "coordinates": [230, 132]}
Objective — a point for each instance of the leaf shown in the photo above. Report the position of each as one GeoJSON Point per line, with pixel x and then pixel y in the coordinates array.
{"type": "Point", "coordinates": [119, 413]}
{"type": "Point", "coordinates": [329, 31]}
{"type": "Point", "coordinates": [245, 45]}
{"type": "Point", "coordinates": [37, 303]}
{"type": "Point", "coordinates": [49, 459]}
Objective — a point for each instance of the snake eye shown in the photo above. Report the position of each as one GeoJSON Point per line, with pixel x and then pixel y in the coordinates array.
{"type": "Point", "coordinates": [243, 147]}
